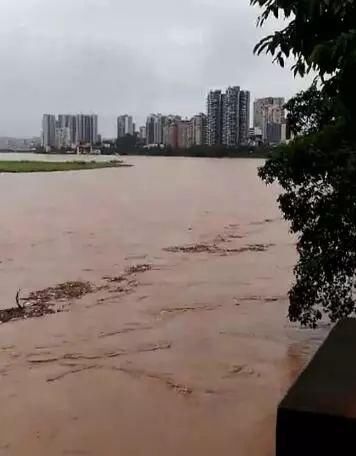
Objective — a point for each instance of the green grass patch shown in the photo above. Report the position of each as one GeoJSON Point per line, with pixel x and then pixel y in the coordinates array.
{"type": "Point", "coordinates": [44, 166]}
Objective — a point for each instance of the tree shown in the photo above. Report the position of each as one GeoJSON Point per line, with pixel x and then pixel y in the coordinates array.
{"type": "Point", "coordinates": [309, 111]}
{"type": "Point", "coordinates": [317, 170]}
{"type": "Point", "coordinates": [127, 141]}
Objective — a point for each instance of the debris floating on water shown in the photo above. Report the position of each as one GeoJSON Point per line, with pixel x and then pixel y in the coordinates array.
{"type": "Point", "coordinates": [43, 302]}
{"type": "Point", "coordinates": [138, 268]}
{"type": "Point", "coordinates": [217, 249]}
{"type": "Point", "coordinates": [67, 290]}
{"type": "Point", "coordinates": [126, 281]}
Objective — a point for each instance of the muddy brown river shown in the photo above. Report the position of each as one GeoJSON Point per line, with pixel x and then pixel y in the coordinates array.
{"type": "Point", "coordinates": [186, 353]}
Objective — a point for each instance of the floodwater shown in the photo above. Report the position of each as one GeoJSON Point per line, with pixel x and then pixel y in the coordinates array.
{"type": "Point", "coordinates": [190, 357]}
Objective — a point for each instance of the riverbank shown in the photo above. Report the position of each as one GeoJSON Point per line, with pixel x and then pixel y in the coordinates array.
{"type": "Point", "coordinates": [219, 151]}
{"type": "Point", "coordinates": [261, 152]}
{"type": "Point", "coordinates": [46, 166]}
{"type": "Point", "coordinates": [224, 153]}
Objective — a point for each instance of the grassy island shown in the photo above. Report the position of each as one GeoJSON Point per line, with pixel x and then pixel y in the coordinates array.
{"type": "Point", "coordinates": [48, 166]}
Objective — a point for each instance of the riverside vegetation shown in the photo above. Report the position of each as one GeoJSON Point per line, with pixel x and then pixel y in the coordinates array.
{"type": "Point", "coordinates": [317, 170]}
{"type": "Point", "coordinates": [44, 166]}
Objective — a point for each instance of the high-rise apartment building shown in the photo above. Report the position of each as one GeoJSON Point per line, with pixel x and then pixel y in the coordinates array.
{"type": "Point", "coordinates": [150, 129]}
{"type": "Point", "coordinates": [170, 131]}
{"type": "Point", "coordinates": [244, 116]}
{"type": "Point", "coordinates": [49, 131]}
{"type": "Point", "coordinates": [69, 130]}
{"type": "Point", "coordinates": [142, 133]}
{"type": "Point", "coordinates": [199, 129]}
{"type": "Point", "coordinates": [185, 134]}
{"type": "Point", "coordinates": [154, 129]}
{"type": "Point", "coordinates": [269, 117]}
{"type": "Point", "coordinates": [231, 117]}
{"type": "Point", "coordinates": [273, 124]}
{"type": "Point", "coordinates": [228, 120]}
{"type": "Point", "coordinates": [86, 129]}
{"type": "Point", "coordinates": [63, 138]}
{"type": "Point", "coordinates": [214, 105]}
{"type": "Point", "coordinates": [158, 129]}
{"type": "Point", "coordinates": [260, 104]}
{"type": "Point", "coordinates": [125, 126]}
{"type": "Point", "coordinates": [68, 121]}
{"type": "Point", "coordinates": [94, 123]}
{"type": "Point", "coordinates": [172, 139]}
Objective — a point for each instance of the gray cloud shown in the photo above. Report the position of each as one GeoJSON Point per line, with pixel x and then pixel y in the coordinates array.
{"type": "Point", "coordinates": [114, 56]}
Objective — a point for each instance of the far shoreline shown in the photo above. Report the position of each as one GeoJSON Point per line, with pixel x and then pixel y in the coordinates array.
{"type": "Point", "coordinates": [112, 149]}
{"type": "Point", "coordinates": [217, 157]}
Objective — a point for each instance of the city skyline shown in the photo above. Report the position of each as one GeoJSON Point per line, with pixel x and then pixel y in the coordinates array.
{"type": "Point", "coordinates": [140, 121]}
{"type": "Point", "coordinates": [66, 130]}
{"type": "Point", "coordinates": [227, 121]}
{"type": "Point", "coordinates": [108, 67]}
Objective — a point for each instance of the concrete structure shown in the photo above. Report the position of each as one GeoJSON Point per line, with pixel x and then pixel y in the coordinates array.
{"type": "Point", "coordinates": [173, 135]}
{"type": "Point", "coordinates": [255, 131]}
{"type": "Point", "coordinates": [86, 129]}
{"type": "Point", "coordinates": [284, 133]}
{"type": "Point", "coordinates": [150, 122]}
{"type": "Point", "coordinates": [125, 126]}
{"type": "Point", "coordinates": [185, 134]}
{"type": "Point", "coordinates": [158, 129]}
{"type": "Point", "coordinates": [260, 104]}
{"type": "Point", "coordinates": [199, 129]}
{"type": "Point", "coordinates": [273, 133]}
{"type": "Point", "coordinates": [170, 132]}
{"type": "Point", "coordinates": [49, 131]}
{"type": "Point", "coordinates": [273, 124]}
{"type": "Point", "coordinates": [214, 122]}
{"type": "Point", "coordinates": [318, 414]}
{"type": "Point", "coordinates": [94, 123]}
{"type": "Point", "coordinates": [68, 121]}
{"type": "Point", "coordinates": [255, 136]}
{"type": "Point", "coordinates": [231, 117]}
{"type": "Point", "coordinates": [63, 138]}
{"type": "Point", "coordinates": [165, 133]}
{"type": "Point", "coordinates": [228, 117]}
{"type": "Point", "coordinates": [142, 133]}
{"type": "Point", "coordinates": [154, 129]}
{"type": "Point", "coordinates": [244, 116]}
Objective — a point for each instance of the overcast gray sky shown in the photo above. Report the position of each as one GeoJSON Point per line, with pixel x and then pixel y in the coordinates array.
{"type": "Point", "coordinates": [118, 56]}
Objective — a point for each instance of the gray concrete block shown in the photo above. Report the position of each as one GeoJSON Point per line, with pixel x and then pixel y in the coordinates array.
{"type": "Point", "coordinates": [318, 414]}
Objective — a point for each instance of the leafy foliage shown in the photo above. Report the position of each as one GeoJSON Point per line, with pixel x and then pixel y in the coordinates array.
{"type": "Point", "coordinates": [309, 111]}
{"type": "Point", "coordinates": [201, 151]}
{"type": "Point", "coordinates": [317, 170]}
